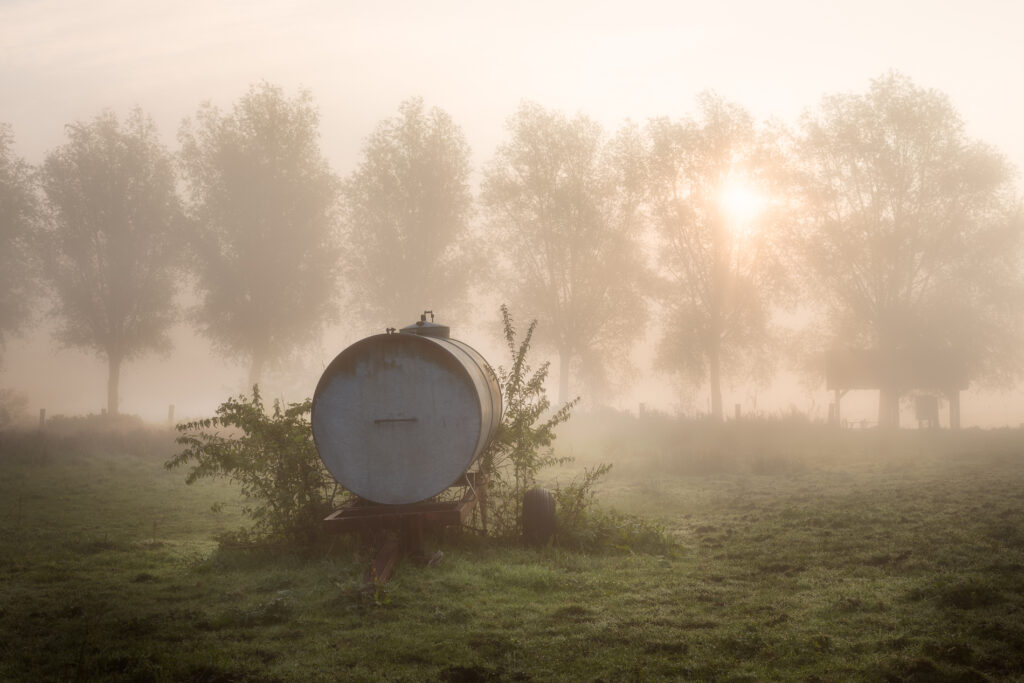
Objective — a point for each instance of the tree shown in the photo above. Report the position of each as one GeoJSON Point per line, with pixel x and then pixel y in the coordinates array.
{"type": "Point", "coordinates": [719, 255]}
{"type": "Point", "coordinates": [912, 238]}
{"type": "Point", "coordinates": [110, 246]}
{"type": "Point", "coordinates": [18, 212]}
{"type": "Point", "coordinates": [407, 210]}
{"type": "Point", "coordinates": [264, 204]}
{"type": "Point", "coordinates": [562, 200]}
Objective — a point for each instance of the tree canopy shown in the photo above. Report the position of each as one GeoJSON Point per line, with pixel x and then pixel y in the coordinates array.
{"type": "Point", "coordinates": [912, 236]}
{"type": "Point", "coordinates": [264, 209]}
{"type": "Point", "coordinates": [719, 254]}
{"type": "Point", "coordinates": [898, 236]}
{"type": "Point", "coordinates": [18, 212]}
{"type": "Point", "coordinates": [407, 209]}
{"type": "Point", "coordinates": [562, 199]}
{"type": "Point", "coordinates": [110, 245]}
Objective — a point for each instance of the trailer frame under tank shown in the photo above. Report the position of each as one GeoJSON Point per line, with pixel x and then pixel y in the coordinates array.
{"type": "Point", "coordinates": [397, 530]}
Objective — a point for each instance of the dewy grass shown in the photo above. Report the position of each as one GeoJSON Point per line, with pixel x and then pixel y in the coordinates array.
{"type": "Point", "coordinates": [856, 565]}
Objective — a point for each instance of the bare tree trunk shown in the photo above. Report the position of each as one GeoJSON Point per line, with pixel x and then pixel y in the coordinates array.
{"type": "Point", "coordinates": [889, 391]}
{"type": "Point", "coordinates": [563, 377]}
{"type": "Point", "coordinates": [889, 408]}
{"type": "Point", "coordinates": [113, 383]}
{"type": "Point", "coordinates": [715, 380]}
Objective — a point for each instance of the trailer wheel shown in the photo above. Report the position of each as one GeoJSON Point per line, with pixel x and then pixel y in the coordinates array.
{"type": "Point", "coordinates": [538, 517]}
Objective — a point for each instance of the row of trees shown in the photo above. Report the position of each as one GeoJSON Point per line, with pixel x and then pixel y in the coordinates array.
{"type": "Point", "coordinates": [102, 223]}
{"type": "Point", "coordinates": [876, 213]}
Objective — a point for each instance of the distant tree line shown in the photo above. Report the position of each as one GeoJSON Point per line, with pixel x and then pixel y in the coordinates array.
{"type": "Point", "coordinates": [875, 216]}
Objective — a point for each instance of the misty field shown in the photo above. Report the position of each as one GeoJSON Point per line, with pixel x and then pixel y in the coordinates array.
{"type": "Point", "coordinates": [803, 554]}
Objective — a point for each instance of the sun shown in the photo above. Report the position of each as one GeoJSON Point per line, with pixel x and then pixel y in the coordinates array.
{"type": "Point", "coordinates": [741, 202]}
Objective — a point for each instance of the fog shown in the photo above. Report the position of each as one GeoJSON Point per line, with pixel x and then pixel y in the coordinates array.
{"type": "Point", "coordinates": [63, 63]}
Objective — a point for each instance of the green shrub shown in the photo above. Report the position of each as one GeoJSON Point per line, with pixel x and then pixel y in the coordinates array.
{"type": "Point", "coordinates": [522, 446]}
{"type": "Point", "coordinates": [573, 501]}
{"type": "Point", "coordinates": [604, 530]}
{"type": "Point", "coordinates": [589, 528]}
{"type": "Point", "coordinates": [272, 458]}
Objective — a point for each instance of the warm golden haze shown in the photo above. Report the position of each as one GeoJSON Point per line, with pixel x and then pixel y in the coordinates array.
{"type": "Point", "coordinates": [636, 74]}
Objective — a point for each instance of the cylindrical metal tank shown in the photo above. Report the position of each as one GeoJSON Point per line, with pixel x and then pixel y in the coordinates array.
{"type": "Point", "coordinates": [399, 417]}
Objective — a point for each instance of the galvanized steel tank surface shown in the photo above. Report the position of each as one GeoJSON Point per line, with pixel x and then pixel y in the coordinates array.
{"type": "Point", "coordinates": [398, 418]}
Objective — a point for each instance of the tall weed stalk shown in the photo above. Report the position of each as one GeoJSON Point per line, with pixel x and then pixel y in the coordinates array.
{"type": "Point", "coordinates": [522, 446]}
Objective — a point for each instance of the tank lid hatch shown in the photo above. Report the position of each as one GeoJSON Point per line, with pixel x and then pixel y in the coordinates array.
{"type": "Point", "coordinates": [427, 328]}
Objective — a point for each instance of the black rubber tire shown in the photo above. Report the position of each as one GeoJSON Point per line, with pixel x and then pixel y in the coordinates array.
{"type": "Point", "coordinates": [538, 517]}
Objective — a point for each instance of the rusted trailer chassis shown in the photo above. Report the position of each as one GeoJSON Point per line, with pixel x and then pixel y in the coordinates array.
{"type": "Point", "coordinates": [397, 530]}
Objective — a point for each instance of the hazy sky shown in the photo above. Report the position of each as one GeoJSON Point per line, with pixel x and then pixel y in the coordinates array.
{"type": "Point", "coordinates": [64, 61]}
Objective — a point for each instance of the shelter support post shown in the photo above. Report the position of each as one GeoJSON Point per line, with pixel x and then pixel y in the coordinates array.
{"type": "Point", "coordinates": [837, 413]}
{"type": "Point", "coordinates": [954, 409]}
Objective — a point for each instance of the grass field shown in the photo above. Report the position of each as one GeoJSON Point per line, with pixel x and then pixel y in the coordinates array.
{"type": "Point", "coordinates": [802, 555]}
